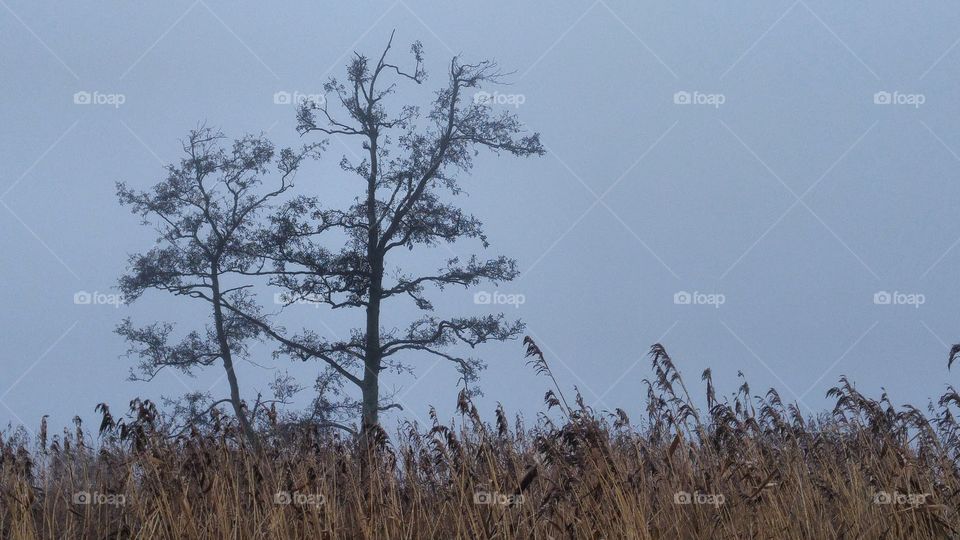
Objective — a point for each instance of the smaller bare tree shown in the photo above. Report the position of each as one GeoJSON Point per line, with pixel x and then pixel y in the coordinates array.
{"type": "Point", "coordinates": [205, 212]}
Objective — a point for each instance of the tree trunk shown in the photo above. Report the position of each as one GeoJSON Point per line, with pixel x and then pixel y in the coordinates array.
{"type": "Point", "coordinates": [248, 430]}
{"type": "Point", "coordinates": [371, 372]}
{"type": "Point", "coordinates": [227, 356]}
{"type": "Point", "coordinates": [370, 413]}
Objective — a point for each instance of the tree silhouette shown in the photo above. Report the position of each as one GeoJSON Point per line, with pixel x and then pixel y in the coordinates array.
{"type": "Point", "coordinates": [206, 214]}
{"type": "Point", "coordinates": [408, 178]}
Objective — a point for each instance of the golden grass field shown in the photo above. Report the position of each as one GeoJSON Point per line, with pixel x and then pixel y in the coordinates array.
{"type": "Point", "coordinates": [742, 467]}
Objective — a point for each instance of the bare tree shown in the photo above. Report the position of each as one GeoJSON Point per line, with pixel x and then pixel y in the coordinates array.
{"type": "Point", "coordinates": [408, 176]}
{"type": "Point", "coordinates": [205, 212]}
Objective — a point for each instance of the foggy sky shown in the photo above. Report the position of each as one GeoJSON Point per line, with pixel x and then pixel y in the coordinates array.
{"type": "Point", "coordinates": [784, 163]}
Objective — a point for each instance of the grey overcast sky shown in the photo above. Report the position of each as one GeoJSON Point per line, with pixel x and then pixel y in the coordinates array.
{"type": "Point", "coordinates": [763, 186]}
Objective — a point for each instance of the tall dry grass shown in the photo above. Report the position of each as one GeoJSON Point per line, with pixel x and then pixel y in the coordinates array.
{"type": "Point", "coordinates": [744, 467]}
